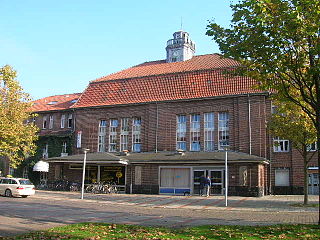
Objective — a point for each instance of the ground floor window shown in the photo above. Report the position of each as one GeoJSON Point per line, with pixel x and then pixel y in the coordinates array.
{"type": "Point", "coordinates": [113, 174]}
{"type": "Point", "coordinates": [174, 180]}
{"type": "Point", "coordinates": [282, 177]}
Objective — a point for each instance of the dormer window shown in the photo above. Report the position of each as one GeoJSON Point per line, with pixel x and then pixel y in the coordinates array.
{"type": "Point", "coordinates": [52, 103]}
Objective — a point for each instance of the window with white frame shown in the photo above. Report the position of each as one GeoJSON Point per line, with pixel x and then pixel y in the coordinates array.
{"type": "Point", "coordinates": [45, 151]}
{"type": "Point", "coordinates": [312, 147]}
{"type": "Point", "coordinates": [282, 177]}
{"type": "Point", "coordinates": [136, 134]}
{"type": "Point", "coordinates": [44, 122]}
{"type": "Point", "coordinates": [113, 135]}
{"type": "Point", "coordinates": [50, 121]}
{"type": "Point", "coordinates": [124, 134]}
{"type": "Point", "coordinates": [64, 147]}
{"type": "Point", "coordinates": [280, 145]}
{"type": "Point", "coordinates": [102, 136]}
{"type": "Point", "coordinates": [195, 132]}
{"type": "Point", "coordinates": [70, 120]}
{"type": "Point", "coordinates": [223, 125]}
{"type": "Point", "coordinates": [63, 120]}
{"type": "Point", "coordinates": [181, 132]}
{"type": "Point", "coordinates": [209, 131]}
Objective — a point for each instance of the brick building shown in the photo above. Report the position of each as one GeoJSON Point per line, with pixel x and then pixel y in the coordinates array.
{"type": "Point", "coordinates": [158, 126]}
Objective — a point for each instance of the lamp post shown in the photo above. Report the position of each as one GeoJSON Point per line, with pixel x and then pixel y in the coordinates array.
{"type": "Point", "coordinates": [226, 175]}
{"type": "Point", "coordinates": [84, 170]}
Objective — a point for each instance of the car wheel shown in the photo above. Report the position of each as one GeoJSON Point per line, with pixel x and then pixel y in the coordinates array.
{"type": "Point", "coordinates": [24, 196]}
{"type": "Point", "coordinates": [8, 193]}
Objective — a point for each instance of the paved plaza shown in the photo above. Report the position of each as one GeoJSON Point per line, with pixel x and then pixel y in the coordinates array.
{"type": "Point", "coordinates": [48, 209]}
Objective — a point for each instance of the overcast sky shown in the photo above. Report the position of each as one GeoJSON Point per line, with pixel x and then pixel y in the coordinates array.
{"type": "Point", "coordinates": [58, 47]}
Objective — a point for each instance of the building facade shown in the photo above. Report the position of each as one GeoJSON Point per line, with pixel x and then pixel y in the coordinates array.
{"type": "Point", "coordinates": [159, 126]}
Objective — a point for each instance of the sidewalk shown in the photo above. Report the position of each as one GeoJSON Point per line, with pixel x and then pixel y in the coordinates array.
{"type": "Point", "coordinates": [279, 203]}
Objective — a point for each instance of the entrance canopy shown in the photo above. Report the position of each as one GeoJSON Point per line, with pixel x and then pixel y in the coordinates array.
{"type": "Point", "coordinates": [161, 158]}
{"type": "Point", "coordinates": [41, 166]}
{"type": "Point", "coordinates": [93, 158]}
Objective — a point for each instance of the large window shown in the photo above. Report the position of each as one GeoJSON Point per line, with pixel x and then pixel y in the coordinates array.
{"type": "Point", "coordinates": [195, 132]}
{"type": "Point", "coordinates": [282, 177]}
{"type": "Point", "coordinates": [280, 145]}
{"type": "Point", "coordinates": [124, 134]}
{"type": "Point", "coordinates": [70, 121]}
{"type": "Point", "coordinates": [45, 151]}
{"type": "Point", "coordinates": [113, 135]}
{"type": "Point", "coordinates": [223, 124]}
{"type": "Point", "coordinates": [63, 121]}
{"type": "Point", "coordinates": [209, 131]}
{"type": "Point", "coordinates": [181, 132]}
{"type": "Point", "coordinates": [44, 122]}
{"type": "Point", "coordinates": [175, 177]}
{"type": "Point", "coordinates": [102, 136]}
{"type": "Point", "coordinates": [50, 121]}
{"type": "Point", "coordinates": [136, 134]}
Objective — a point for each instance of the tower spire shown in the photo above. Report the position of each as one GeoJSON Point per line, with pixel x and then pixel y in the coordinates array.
{"type": "Point", "coordinates": [181, 24]}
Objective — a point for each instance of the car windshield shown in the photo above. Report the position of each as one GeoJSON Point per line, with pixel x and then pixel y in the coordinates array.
{"type": "Point", "coordinates": [25, 182]}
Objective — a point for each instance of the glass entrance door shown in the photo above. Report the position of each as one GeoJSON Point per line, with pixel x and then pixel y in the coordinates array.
{"type": "Point", "coordinates": [196, 180]}
{"type": "Point", "coordinates": [216, 182]}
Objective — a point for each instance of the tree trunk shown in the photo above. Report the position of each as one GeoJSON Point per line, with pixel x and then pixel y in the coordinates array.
{"type": "Point", "coordinates": [305, 179]}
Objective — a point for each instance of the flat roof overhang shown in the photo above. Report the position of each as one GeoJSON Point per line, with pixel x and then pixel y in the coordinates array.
{"type": "Point", "coordinates": [217, 157]}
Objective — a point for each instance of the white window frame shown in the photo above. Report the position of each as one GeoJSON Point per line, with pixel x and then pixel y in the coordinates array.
{"type": "Point", "coordinates": [281, 145]}
{"type": "Point", "coordinates": [63, 121]}
{"type": "Point", "coordinates": [50, 121]}
{"type": "Point", "coordinates": [181, 132]}
{"type": "Point", "coordinates": [312, 147]}
{"type": "Point", "coordinates": [223, 133]}
{"type": "Point", "coordinates": [195, 136]}
{"type": "Point", "coordinates": [102, 131]}
{"type": "Point", "coordinates": [208, 131]}
{"type": "Point", "coordinates": [113, 125]}
{"type": "Point", "coordinates": [45, 151]}
{"type": "Point", "coordinates": [136, 134]}
{"type": "Point", "coordinates": [124, 134]}
{"type": "Point", "coordinates": [64, 147]}
{"type": "Point", "coordinates": [44, 122]}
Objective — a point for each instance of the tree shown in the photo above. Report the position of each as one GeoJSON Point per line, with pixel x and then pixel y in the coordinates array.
{"type": "Point", "coordinates": [291, 123]}
{"type": "Point", "coordinates": [277, 42]}
{"type": "Point", "coordinates": [17, 135]}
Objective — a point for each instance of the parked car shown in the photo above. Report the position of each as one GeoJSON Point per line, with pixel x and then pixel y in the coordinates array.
{"type": "Point", "coordinates": [16, 187]}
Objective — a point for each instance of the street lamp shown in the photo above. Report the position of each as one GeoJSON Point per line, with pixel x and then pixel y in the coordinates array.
{"type": "Point", "coordinates": [84, 170]}
{"type": "Point", "coordinates": [226, 174]}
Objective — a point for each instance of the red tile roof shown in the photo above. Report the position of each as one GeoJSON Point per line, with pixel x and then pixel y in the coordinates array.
{"type": "Point", "coordinates": [199, 77]}
{"type": "Point", "coordinates": [209, 61]}
{"type": "Point", "coordinates": [52, 103]}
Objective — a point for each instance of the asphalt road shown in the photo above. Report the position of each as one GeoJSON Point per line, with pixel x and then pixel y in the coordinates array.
{"type": "Point", "coordinates": [50, 209]}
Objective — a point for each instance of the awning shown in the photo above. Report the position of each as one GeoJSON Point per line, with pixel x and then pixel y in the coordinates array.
{"type": "Point", "coordinates": [41, 166]}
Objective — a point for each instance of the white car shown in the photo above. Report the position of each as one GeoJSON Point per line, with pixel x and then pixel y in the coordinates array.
{"type": "Point", "coordinates": [16, 187]}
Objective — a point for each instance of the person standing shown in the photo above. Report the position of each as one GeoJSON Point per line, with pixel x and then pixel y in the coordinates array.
{"type": "Point", "coordinates": [202, 182]}
{"type": "Point", "coordinates": [208, 185]}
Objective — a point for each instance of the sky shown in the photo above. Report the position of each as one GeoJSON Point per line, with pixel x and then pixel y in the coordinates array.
{"type": "Point", "coordinates": [58, 47]}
